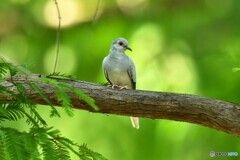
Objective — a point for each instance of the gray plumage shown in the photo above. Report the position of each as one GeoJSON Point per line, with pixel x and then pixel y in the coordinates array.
{"type": "Point", "coordinates": [119, 69]}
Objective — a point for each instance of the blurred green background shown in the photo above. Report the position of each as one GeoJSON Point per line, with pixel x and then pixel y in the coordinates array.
{"type": "Point", "coordinates": [187, 46]}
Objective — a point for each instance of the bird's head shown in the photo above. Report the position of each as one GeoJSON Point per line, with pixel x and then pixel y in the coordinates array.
{"type": "Point", "coordinates": [120, 44]}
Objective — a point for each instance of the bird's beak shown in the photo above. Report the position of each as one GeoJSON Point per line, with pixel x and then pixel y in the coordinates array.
{"type": "Point", "coordinates": [129, 48]}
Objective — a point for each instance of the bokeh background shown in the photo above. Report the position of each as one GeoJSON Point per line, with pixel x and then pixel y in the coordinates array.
{"type": "Point", "coordinates": [187, 46]}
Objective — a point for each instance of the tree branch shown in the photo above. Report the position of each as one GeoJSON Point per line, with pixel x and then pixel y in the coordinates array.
{"type": "Point", "coordinates": [207, 112]}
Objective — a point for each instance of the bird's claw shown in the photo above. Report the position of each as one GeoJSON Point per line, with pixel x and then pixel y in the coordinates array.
{"type": "Point", "coordinates": [109, 85]}
{"type": "Point", "coordinates": [113, 86]}
{"type": "Point", "coordinates": [122, 87]}
{"type": "Point", "coordinates": [116, 86]}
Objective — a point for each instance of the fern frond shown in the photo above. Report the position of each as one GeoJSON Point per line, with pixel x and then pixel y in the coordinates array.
{"type": "Point", "coordinates": [7, 67]}
{"type": "Point", "coordinates": [61, 76]}
{"type": "Point", "coordinates": [47, 146]}
{"type": "Point", "coordinates": [35, 115]}
{"type": "Point", "coordinates": [34, 118]}
{"type": "Point", "coordinates": [14, 145]}
{"type": "Point", "coordinates": [48, 149]}
{"type": "Point", "coordinates": [61, 94]}
{"type": "Point", "coordinates": [54, 111]}
{"type": "Point", "coordinates": [64, 87]}
{"type": "Point", "coordinates": [87, 154]}
{"type": "Point", "coordinates": [81, 95]}
{"type": "Point", "coordinates": [22, 96]}
{"type": "Point", "coordinates": [62, 152]}
{"type": "Point", "coordinates": [2, 146]}
{"type": "Point", "coordinates": [4, 91]}
{"type": "Point", "coordinates": [68, 144]}
{"type": "Point", "coordinates": [31, 145]}
{"type": "Point", "coordinates": [31, 121]}
{"type": "Point", "coordinates": [3, 70]}
{"type": "Point", "coordinates": [50, 142]}
{"type": "Point", "coordinates": [64, 142]}
{"type": "Point", "coordinates": [86, 98]}
{"type": "Point", "coordinates": [65, 101]}
{"type": "Point", "coordinates": [40, 142]}
{"type": "Point", "coordinates": [11, 111]}
{"type": "Point", "coordinates": [12, 69]}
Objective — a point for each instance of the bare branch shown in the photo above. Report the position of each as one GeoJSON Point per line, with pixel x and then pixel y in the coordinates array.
{"type": "Point", "coordinates": [96, 12]}
{"type": "Point", "coordinates": [57, 36]}
{"type": "Point", "coordinates": [207, 112]}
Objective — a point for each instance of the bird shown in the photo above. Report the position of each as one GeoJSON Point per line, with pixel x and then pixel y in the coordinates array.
{"type": "Point", "coordinates": [119, 69]}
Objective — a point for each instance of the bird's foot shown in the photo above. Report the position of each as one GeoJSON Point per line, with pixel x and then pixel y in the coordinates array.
{"type": "Point", "coordinates": [113, 86]}
{"type": "Point", "coordinates": [122, 87]}
{"type": "Point", "coordinates": [109, 85]}
{"type": "Point", "coordinates": [117, 86]}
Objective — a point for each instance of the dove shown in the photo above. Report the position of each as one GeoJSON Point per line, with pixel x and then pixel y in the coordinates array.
{"type": "Point", "coordinates": [119, 69]}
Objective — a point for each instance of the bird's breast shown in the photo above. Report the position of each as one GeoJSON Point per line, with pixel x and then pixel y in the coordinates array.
{"type": "Point", "coordinates": [119, 77]}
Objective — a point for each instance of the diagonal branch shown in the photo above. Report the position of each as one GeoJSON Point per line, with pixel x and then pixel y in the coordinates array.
{"type": "Point", "coordinates": [207, 112]}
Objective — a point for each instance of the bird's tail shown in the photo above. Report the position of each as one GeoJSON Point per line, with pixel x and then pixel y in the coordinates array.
{"type": "Point", "coordinates": [135, 122]}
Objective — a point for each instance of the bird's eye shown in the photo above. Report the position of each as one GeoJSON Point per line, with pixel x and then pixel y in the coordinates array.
{"type": "Point", "coordinates": [120, 43]}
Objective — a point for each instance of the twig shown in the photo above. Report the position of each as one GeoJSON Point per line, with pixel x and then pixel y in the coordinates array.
{"type": "Point", "coordinates": [57, 36]}
{"type": "Point", "coordinates": [96, 12]}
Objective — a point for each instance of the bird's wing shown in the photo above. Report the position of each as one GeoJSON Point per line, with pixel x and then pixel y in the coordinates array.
{"type": "Point", "coordinates": [132, 73]}
{"type": "Point", "coordinates": [106, 75]}
{"type": "Point", "coordinates": [105, 70]}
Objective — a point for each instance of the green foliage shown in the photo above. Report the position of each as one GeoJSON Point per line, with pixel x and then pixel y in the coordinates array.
{"type": "Point", "coordinates": [60, 75]}
{"type": "Point", "coordinates": [12, 111]}
{"type": "Point", "coordinates": [85, 97]}
{"type": "Point", "coordinates": [7, 67]}
{"type": "Point", "coordinates": [65, 87]}
{"type": "Point", "coordinates": [53, 111]}
{"type": "Point", "coordinates": [14, 144]}
{"type": "Point", "coordinates": [41, 141]}
{"type": "Point", "coordinates": [61, 92]}
{"type": "Point", "coordinates": [87, 154]}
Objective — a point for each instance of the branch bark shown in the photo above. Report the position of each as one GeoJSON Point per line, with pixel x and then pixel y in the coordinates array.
{"type": "Point", "coordinates": [212, 113]}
